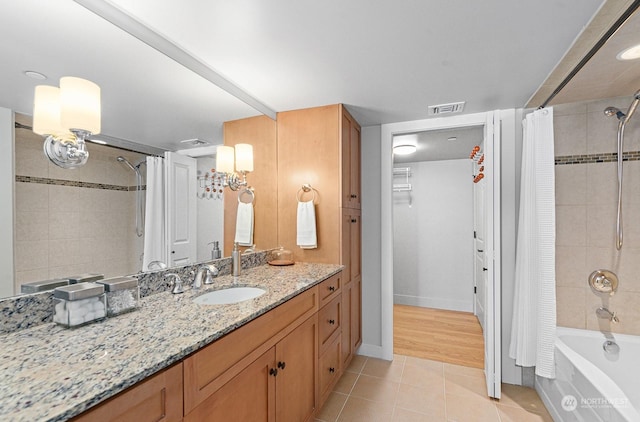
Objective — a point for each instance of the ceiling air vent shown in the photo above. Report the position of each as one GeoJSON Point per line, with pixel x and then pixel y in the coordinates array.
{"type": "Point", "coordinates": [446, 108]}
{"type": "Point", "coordinates": [195, 142]}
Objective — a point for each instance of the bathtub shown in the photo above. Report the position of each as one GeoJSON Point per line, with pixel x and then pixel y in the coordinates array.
{"type": "Point", "coordinates": [592, 384]}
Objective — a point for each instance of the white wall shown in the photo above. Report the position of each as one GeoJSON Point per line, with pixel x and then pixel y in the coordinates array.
{"type": "Point", "coordinates": [210, 215]}
{"type": "Point", "coordinates": [433, 236]}
{"type": "Point", "coordinates": [371, 290]}
{"type": "Point", "coordinates": [6, 205]}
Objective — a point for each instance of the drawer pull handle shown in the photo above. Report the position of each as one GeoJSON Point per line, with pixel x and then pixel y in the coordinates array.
{"type": "Point", "coordinates": [332, 321]}
{"type": "Point", "coordinates": [353, 220]}
{"type": "Point", "coordinates": [332, 370]}
{"type": "Point", "coordinates": [273, 371]}
{"type": "Point", "coordinates": [281, 365]}
{"type": "Point", "coordinates": [332, 289]}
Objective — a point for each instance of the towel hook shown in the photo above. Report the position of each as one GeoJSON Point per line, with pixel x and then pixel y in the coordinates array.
{"type": "Point", "coordinates": [248, 190]}
{"type": "Point", "coordinates": [304, 189]}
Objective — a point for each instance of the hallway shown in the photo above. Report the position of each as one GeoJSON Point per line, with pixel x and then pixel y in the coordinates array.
{"type": "Point", "coordinates": [437, 334]}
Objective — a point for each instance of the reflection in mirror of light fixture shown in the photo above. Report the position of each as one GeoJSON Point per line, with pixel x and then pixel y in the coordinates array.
{"type": "Point", "coordinates": [242, 155]}
{"type": "Point", "coordinates": [630, 53]}
{"type": "Point", "coordinates": [404, 149]}
{"type": "Point", "coordinates": [67, 116]}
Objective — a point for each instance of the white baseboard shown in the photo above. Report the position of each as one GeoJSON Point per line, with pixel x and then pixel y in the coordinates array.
{"type": "Point", "coordinates": [370, 350]}
{"type": "Point", "coordinates": [429, 302]}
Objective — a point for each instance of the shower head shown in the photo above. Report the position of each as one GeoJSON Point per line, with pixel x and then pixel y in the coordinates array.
{"type": "Point", "coordinates": [613, 111]}
{"type": "Point", "coordinates": [125, 161]}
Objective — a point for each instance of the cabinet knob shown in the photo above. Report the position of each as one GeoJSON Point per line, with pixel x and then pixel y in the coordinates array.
{"type": "Point", "coordinates": [281, 365]}
{"type": "Point", "coordinates": [273, 371]}
{"type": "Point", "coordinates": [331, 321]}
{"type": "Point", "coordinates": [332, 370]}
{"type": "Point", "coordinates": [332, 289]}
{"type": "Point", "coordinates": [354, 195]}
{"type": "Point", "coordinates": [353, 220]}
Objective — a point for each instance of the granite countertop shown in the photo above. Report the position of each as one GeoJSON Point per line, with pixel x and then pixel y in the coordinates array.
{"type": "Point", "coordinates": [51, 373]}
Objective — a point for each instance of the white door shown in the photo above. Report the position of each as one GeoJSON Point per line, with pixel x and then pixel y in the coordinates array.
{"type": "Point", "coordinates": [492, 251]}
{"type": "Point", "coordinates": [480, 272]}
{"type": "Point", "coordinates": [181, 209]}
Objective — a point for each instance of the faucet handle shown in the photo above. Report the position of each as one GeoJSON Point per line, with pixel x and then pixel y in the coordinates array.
{"type": "Point", "coordinates": [176, 282]}
{"type": "Point", "coordinates": [212, 271]}
{"type": "Point", "coordinates": [614, 318]}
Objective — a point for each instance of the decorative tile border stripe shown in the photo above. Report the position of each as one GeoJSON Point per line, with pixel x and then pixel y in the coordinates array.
{"type": "Point", "coordinates": [75, 183]}
{"type": "Point", "coordinates": [610, 157]}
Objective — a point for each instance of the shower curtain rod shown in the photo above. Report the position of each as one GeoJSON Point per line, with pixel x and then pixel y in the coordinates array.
{"type": "Point", "coordinates": [618, 23]}
{"type": "Point", "coordinates": [115, 142]}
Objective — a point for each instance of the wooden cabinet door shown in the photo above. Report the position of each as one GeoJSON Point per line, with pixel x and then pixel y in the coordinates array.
{"type": "Point", "coordinates": [350, 156]}
{"type": "Point", "coordinates": [347, 303]}
{"type": "Point", "coordinates": [356, 314]}
{"type": "Point", "coordinates": [296, 380]}
{"type": "Point", "coordinates": [345, 149]}
{"type": "Point", "coordinates": [249, 396]}
{"type": "Point", "coordinates": [345, 245]}
{"type": "Point", "coordinates": [354, 157]}
{"type": "Point", "coordinates": [158, 398]}
{"type": "Point", "coordinates": [355, 245]}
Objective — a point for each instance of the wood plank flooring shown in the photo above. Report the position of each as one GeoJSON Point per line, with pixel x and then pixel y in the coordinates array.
{"type": "Point", "coordinates": [437, 334]}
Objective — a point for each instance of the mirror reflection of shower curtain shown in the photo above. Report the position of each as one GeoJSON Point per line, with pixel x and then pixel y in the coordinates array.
{"type": "Point", "coordinates": [154, 236]}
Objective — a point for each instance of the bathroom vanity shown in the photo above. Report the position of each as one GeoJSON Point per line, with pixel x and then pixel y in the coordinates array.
{"type": "Point", "coordinates": [271, 358]}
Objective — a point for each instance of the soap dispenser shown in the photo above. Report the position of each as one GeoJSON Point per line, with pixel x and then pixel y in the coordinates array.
{"type": "Point", "coordinates": [235, 257]}
{"type": "Point", "coordinates": [215, 252]}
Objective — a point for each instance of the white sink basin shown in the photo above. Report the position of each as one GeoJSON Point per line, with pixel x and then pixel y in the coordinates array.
{"type": "Point", "coordinates": [229, 295]}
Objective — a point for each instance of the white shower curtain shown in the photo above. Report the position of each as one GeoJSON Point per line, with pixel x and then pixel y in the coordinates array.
{"type": "Point", "coordinates": [154, 236]}
{"type": "Point", "coordinates": [534, 314]}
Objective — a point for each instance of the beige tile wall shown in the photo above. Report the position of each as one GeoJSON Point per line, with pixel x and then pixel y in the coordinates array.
{"type": "Point", "coordinates": [64, 230]}
{"type": "Point", "coordinates": [586, 196]}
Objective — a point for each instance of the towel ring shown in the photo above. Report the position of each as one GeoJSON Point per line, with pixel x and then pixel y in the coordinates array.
{"type": "Point", "coordinates": [304, 189]}
{"type": "Point", "coordinates": [248, 191]}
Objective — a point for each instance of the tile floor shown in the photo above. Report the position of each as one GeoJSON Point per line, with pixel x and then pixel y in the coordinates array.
{"type": "Point", "coordinates": [412, 389]}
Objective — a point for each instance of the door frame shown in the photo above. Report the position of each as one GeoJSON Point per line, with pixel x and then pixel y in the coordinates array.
{"type": "Point", "coordinates": [489, 120]}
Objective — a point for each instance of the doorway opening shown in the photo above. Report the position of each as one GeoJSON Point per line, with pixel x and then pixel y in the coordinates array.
{"type": "Point", "coordinates": [435, 221]}
{"type": "Point", "coordinates": [491, 124]}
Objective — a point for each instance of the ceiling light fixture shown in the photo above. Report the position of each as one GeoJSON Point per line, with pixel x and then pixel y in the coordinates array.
{"type": "Point", "coordinates": [404, 149]}
{"type": "Point", "coordinates": [66, 116]}
{"type": "Point", "coordinates": [630, 53]}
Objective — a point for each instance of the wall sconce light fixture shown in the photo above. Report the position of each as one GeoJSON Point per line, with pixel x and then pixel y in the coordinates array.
{"type": "Point", "coordinates": [66, 116]}
{"type": "Point", "coordinates": [242, 155]}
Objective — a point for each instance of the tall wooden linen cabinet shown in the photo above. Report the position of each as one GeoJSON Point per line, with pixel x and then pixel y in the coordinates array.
{"type": "Point", "coordinates": [321, 146]}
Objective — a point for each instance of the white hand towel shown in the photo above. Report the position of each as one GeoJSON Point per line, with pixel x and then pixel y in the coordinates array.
{"type": "Point", "coordinates": [307, 238]}
{"type": "Point", "coordinates": [244, 224]}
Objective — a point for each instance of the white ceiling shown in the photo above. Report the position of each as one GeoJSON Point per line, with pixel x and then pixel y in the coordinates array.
{"type": "Point", "coordinates": [437, 145]}
{"type": "Point", "coordinates": [387, 60]}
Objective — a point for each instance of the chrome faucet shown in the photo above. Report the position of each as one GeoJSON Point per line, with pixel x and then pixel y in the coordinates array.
{"type": "Point", "coordinates": [176, 282]}
{"type": "Point", "coordinates": [204, 275]}
{"type": "Point", "coordinates": [604, 313]}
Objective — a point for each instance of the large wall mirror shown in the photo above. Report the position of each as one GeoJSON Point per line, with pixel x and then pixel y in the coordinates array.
{"type": "Point", "coordinates": [74, 221]}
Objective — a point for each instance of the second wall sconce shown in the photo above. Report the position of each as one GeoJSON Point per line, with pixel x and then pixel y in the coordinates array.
{"type": "Point", "coordinates": [242, 155]}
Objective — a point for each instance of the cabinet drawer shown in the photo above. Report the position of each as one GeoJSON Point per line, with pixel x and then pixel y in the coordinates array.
{"type": "Point", "coordinates": [329, 322]}
{"type": "Point", "coordinates": [214, 365]}
{"type": "Point", "coordinates": [158, 398]}
{"type": "Point", "coordinates": [329, 288]}
{"type": "Point", "coordinates": [330, 368]}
